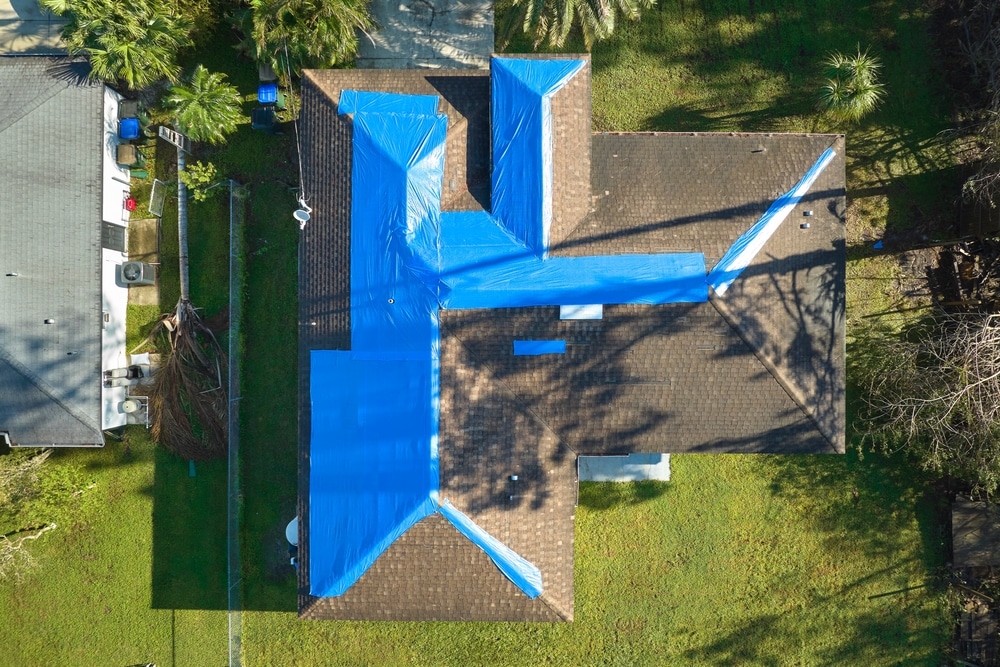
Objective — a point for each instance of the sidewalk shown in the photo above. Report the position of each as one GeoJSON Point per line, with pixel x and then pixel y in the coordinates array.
{"type": "Point", "coordinates": [453, 34]}
{"type": "Point", "coordinates": [26, 29]}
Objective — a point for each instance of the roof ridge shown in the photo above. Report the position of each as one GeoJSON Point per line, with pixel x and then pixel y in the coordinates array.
{"type": "Point", "coordinates": [772, 368]}
{"type": "Point", "coordinates": [54, 89]}
{"type": "Point", "coordinates": [520, 402]}
{"type": "Point", "coordinates": [48, 390]}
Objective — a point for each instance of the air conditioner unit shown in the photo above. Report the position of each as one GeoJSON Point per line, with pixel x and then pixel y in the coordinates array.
{"type": "Point", "coordinates": [138, 273]}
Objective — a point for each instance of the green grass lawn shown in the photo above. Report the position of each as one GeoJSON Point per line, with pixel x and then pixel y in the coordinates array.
{"type": "Point", "coordinates": [763, 560]}
{"type": "Point", "coordinates": [133, 573]}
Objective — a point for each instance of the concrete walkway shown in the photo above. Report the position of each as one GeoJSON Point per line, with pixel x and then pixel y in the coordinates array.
{"type": "Point", "coordinates": [413, 34]}
{"type": "Point", "coordinates": [26, 29]}
{"type": "Point", "coordinates": [631, 468]}
{"type": "Point", "coordinates": [144, 246]}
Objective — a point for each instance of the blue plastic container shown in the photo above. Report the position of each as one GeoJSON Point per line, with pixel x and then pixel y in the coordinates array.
{"type": "Point", "coordinates": [128, 128]}
{"type": "Point", "coordinates": [267, 93]}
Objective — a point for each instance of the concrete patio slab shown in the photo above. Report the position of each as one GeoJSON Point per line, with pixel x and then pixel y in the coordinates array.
{"type": "Point", "coordinates": [144, 246]}
{"type": "Point", "coordinates": [27, 29]}
{"type": "Point", "coordinates": [415, 34]}
{"type": "Point", "coordinates": [631, 468]}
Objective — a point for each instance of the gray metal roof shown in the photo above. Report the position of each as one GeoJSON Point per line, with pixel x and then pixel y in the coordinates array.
{"type": "Point", "coordinates": [51, 138]}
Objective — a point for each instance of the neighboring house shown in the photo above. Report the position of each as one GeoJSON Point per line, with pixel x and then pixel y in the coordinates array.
{"type": "Point", "coordinates": [62, 242]}
{"type": "Point", "coordinates": [488, 291]}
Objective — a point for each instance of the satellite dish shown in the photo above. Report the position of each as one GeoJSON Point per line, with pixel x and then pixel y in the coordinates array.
{"type": "Point", "coordinates": [292, 532]}
{"type": "Point", "coordinates": [302, 214]}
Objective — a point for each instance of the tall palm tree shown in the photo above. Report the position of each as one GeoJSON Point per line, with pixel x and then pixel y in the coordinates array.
{"type": "Point", "coordinates": [313, 33]}
{"type": "Point", "coordinates": [852, 90]}
{"type": "Point", "coordinates": [551, 21]}
{"type": "Point", "coordinates": [206, 108]}
{"type": "Point", "coordinates": [134, 43]}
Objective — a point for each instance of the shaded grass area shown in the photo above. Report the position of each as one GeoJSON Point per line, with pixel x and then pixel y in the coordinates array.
{"type": "Point", "coordinates": [739, 560]}
{"type": "Point", "coordinates": [92, 600]}
{"type": "Point", "coordinates": [269, 408]}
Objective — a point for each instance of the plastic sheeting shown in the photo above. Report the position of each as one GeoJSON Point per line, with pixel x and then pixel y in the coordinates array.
{"type": "Point", "coordinates": [522, 573]}
{"type": "Point", "coordinates": [532, 348]}
{"type": "Point", "coordinates": [373, 461]}
{"type": "Point", "coordinates": [359, 101]}
{"type": "Point", "coordinates": [481, 266]}
{"type": "Point", "coordinates": [746, 247]}
{"type": "Point", "coordinates": [522, 144]}
{"type": "Point", "coordinates": [398, 166]}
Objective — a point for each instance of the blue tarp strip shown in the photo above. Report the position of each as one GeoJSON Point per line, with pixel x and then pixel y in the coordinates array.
{"type": "Point", "coordinates": [522, 573]}
{"type": "Point", "coordinates": [398, 166]}
{"type": "Point", "coordinates": [498, 272]}
{"type": "Point", "coordinates": [746, 247]}
{"type": "Point", "coordinates": [522, 144]}
{"type": "Point", "coordinates": [373, 461]}
{"type": "Point", "coordinates": [531, 348]}
{"type": "Point", "coordinates": [358, 101]}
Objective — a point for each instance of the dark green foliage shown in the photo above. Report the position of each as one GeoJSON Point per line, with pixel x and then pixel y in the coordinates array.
{"type": "Point", "coordinates": [206, 108]}
{"type": "Point", "coordinates": [551, 21]}
{"type": "Point", "coordinates": [851, 90]}
{"type": "Point", "coordinates": [134, 43]}
{"type": "Point", "coordinates": [296, 34]}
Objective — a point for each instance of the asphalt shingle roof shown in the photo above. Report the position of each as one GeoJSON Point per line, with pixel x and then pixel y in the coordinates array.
{"type": "Point", "coordinates": [51, 135]}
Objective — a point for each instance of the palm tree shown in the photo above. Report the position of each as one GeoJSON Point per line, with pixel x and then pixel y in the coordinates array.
{"type": "Point", "coordinates": [312, 33]}
{"type": "Point", "coordinates": [207, 108]}
{"type": "Point", "coordinates": [134, 43]}
{"type": "Point", "coordinates": [852, 90]}
{"type": "Point", "coordinates": [552, 20]}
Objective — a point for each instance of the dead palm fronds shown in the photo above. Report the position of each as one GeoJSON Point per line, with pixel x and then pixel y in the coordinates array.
{"type": "Point", "coordinates": [188, 400]}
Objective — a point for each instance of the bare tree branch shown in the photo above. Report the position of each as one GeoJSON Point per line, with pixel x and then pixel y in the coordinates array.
{"type": "Point", "coordinates": [15, 560]}
{"type": "Point", "coordinates": [936, 393]}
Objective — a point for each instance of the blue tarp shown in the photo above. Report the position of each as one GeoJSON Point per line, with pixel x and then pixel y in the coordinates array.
{"type": "Point", "coordinates": [521, 117]}
{"type": "Point", "coordinates": [746, 247]}
{"type": "Point", "coordinates": [375, 408]}
{"type": "Point", "coordinates": [373, 461]}
{"type": "Point", "coordinates": [532, 348]}
{"type": "Point", "coordinates": [398, 163]}
{"type": "Point", "coordinates": [358, 101]}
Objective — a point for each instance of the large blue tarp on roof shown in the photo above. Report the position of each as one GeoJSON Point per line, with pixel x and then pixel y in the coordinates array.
{"type": "Point", "coordinates": [375, 408]}
{"type": "Point", "coordinates": [373, 461]}
{"type": "Point", "coordinates": [521, 116]}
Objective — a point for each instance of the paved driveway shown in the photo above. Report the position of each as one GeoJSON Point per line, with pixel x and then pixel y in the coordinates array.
{"type": "Point", "coordinates": [26, 29]}
{"type": "Point", "coordinates": [454, 34]}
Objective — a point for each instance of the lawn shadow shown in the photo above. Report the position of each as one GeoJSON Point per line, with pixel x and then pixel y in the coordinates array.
{"type": "Point", "coordinates": [605, 495]}
{"type": "Point", "coordinates": [189, 534]}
